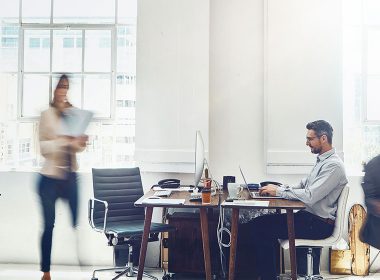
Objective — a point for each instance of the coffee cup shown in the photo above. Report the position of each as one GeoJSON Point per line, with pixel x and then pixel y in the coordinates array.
{"type": "Point", "coordinates": [226, 180]}
{"type": "Point", "coordinates": [234, 190]}
{"type": "Point", "coordinates": [206, 196]}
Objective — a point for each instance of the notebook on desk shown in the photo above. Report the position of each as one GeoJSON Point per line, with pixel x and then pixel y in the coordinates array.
{"type": "Point", "coordinates": [254, 194]}
{"type": "Point", "coordinates": [160, 193]}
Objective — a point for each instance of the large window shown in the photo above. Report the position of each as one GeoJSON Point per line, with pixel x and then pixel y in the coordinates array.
{"type": "Point", "coordinates": [40, 40]}
{"type": "Point", "coordinates": [361, 81]}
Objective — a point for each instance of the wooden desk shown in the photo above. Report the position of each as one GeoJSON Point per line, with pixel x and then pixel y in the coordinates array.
{"type": "Point", "coordinates": [277, 204]}
{"type": "Point", "coordinates": [215, 201]}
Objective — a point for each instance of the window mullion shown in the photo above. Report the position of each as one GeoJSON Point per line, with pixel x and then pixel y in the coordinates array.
{"type": "Point", "coordinates": [113, 71]}
{"type": "Point", "coordinates": [20, 12]}
{"type": "Point", "coordinates": [82, 76]}
{"type": "Point", "coordinates": [51, 11]}
{"type": "Point", "coordinates": [20, 75]}
{"type": "Point", "coordinates": [20, 60]}
{"type": "Point", "coordinates": [116, 9]}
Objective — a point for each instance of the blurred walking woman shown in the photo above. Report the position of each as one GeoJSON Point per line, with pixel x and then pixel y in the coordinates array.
{"type": "Point", "coordinates": [57, 178]}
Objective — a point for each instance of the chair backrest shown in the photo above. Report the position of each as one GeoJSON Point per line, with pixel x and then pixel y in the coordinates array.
{"type": "Point", "coordinates": [341, 213]}
{"type": "Point", "coordinates": [120, 187]}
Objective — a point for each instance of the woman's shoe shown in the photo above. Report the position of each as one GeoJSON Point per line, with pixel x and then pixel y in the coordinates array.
{"type": "Point", "coordinates": [46, 276]}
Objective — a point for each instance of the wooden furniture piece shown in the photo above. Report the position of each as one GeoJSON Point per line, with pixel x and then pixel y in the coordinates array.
{"type": "Point", "coordinates": [340, 262]}
{"type": "Point", "coordinates": [277, 204]}
{"type": "Point", "coordinates": [359, 250]}
{"type": "Point", "coordinates": [215, 200]}
{"type": "Point", "coordinates": [185, 252]}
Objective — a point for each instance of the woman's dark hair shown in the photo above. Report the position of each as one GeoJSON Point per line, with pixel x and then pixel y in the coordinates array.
{"type": "Point", "coordinates": [63, 77]}
{"type": "Point", "coordinates": [321, 127]}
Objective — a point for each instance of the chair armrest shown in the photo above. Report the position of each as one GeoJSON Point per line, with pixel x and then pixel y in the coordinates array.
{"type": "Point", "coordinates": [91, 204]}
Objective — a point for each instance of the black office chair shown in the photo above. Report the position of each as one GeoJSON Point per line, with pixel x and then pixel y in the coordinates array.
{"type": "Point", "coordinates": [113, 213]}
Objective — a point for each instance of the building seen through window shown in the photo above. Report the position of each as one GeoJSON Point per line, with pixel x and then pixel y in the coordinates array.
{"type": "Point", "coordinates": [96, 46]}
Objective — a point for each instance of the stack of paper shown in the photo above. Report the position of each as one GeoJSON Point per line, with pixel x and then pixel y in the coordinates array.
{"type": "Point", "coordinates": [249, 202]}
{"type": "Point", "coordinates": [75, 121]}
{"type": "Point", "coordinates": [158, 200]}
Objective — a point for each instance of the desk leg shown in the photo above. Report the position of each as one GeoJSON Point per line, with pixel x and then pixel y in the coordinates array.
{"type": "Point", "coordinates": [205, 242]}
{"type": "Point", "coordinates": [234, 233]}
{"type": "Point", "coordinates": [144, 241]}
{"type": "Point", "coordinates": [292, 244]}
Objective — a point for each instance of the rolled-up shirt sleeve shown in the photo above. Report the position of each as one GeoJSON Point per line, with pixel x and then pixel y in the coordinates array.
{"type": "Point", "coordinates": [329, 175]}
{"type": "Point", "coordinates": [301, 184]}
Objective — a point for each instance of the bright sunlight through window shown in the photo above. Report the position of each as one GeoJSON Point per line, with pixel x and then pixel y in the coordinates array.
{"type": "Point", "coordinates": [96, 47]}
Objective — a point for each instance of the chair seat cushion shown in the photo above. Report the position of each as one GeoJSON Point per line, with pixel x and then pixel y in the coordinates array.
{"type": "Point", "coordinates": [130, 228]}
{"type": "Point", "coordinates": [329, 241]}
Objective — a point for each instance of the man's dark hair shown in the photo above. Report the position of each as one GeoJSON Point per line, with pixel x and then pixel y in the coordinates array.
{"type": "Point", "coordinates": [321, 127]}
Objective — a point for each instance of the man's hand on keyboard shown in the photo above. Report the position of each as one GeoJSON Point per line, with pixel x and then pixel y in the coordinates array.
{"type": "Point", "coordinates": [268, 190]}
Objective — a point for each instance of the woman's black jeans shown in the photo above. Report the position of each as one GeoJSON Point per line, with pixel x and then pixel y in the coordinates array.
{"type": "Point", "coordinates": [49, 190]}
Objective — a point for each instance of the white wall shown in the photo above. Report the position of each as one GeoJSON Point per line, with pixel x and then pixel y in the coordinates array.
{"type": "Point", "coordinates": [303, 78]}
{"type": "Point", "coordinates": [172, 100]}
{"type": "Point", "coordinates": [236, 136]}
{"type": "Point", "coordinates": [236, 87]}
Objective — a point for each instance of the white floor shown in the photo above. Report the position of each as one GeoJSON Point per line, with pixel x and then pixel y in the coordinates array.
{"type": "Point", "coordinates": [58, 272]}
{"type": "Point", "coordinates": [31, 272]}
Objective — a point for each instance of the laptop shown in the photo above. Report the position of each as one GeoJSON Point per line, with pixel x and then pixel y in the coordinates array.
{"type": "Point", "coordinates": [254, 194]}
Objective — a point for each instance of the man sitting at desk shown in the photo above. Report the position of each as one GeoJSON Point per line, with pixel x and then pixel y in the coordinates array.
{"type": "Point", "coordinates": [319, 191]}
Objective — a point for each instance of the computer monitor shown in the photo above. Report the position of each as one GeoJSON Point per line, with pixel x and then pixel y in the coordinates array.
{"type": "Point", "coordinates": [199, 157]}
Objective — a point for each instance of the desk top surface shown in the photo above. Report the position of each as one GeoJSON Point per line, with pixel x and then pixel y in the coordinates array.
{"type": "Point", "coordinates": [217, 199]}
{"type": "Point", "coordinates": [274, 203]}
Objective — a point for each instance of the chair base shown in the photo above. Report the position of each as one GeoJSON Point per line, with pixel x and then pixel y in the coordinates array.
{"type": "Point", "coordinates": [126, 270]}
{"type": "Point", "coordinates": [287, 276]}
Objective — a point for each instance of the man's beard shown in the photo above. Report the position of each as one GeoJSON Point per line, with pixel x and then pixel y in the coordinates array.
{"type": "Point", "coordinates": [316, 150]}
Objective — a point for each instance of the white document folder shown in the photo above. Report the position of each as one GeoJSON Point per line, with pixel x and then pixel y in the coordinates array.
{"type": "Point", "coordinates": [75, 121]}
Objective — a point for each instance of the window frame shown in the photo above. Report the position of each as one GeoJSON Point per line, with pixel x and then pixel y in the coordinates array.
{"type": "Point", "coordinates": [365, 31]}
{"type": "Point", "coordinates": [360, 133]}
{"type": "Point", "coordinates": [118, 22]}
{"type": "Point", "coordinates": [51, 74]}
